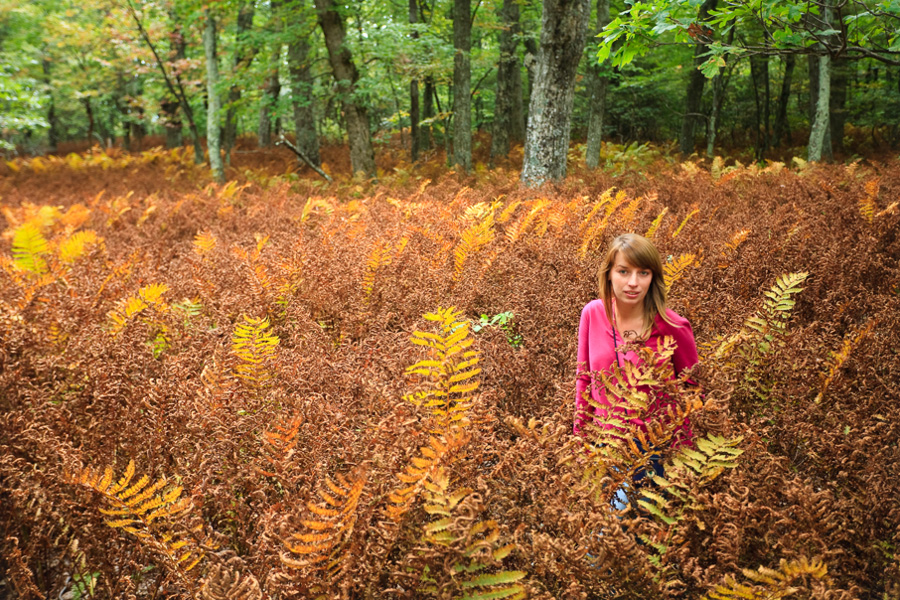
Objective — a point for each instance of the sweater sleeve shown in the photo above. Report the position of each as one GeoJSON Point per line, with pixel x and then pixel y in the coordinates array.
{"type": "Point", "coordinates": [582, 380]}
{"type": "Point", "coordinates": [685, 355]}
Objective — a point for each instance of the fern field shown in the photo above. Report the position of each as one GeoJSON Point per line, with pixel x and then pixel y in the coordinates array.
{"type": "Point", "coordinates": [282, 388]}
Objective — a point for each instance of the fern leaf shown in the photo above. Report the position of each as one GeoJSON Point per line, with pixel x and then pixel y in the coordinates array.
{"type": "Point", "coordinates": [473, 239]}
{"type": "Point", "coordinates": [336, 526]}
{"type": "Point", "coordinates": [73, 248]}
{"type": "Point", "coordinates": [227, 582]}
{"type": "Point", "coordinates": [656, 223]}
{"type": "Point", "coordinates": [837, 360]}
{"type": "Point", "coordinates": [29, 248]}
{"type": "Point", "coordinates": [771, 584]}
{"type": "Point", "coordinates": [204, 243]}
{"type": "Point", "coordinates": [254, 347]}
{"type": "Point", "coordinates": [149, 512]}
{"type": "Point", "coordinates": [674, 270]}
{"type": "Point", "coordinates": [685, 221]}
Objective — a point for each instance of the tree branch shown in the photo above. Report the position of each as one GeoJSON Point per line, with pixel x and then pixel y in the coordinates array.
{"type": "Point", "coordinates": [284, 142]}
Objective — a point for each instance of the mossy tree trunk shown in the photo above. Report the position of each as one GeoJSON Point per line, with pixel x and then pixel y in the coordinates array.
{"type": "Point", "coordinates": [213, 133]}
{"type": "Point", "coordinates": [564, 28]}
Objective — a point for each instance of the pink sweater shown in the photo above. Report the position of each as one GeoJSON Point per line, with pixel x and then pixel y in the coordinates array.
{"type": "Point", "coordinates": [596, 352]}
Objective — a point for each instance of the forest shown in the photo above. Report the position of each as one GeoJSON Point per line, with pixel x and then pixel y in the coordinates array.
{"type": "Point", "coordinates": [290, 295]}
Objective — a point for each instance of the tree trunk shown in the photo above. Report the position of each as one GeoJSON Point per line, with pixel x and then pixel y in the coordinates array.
{"type": "Point", "coordinates": [696, 80]}
{"type": "Point", "coordinates": [301, 98]}
{"type": "Point", "coordinates": [531, 56]}
{"type": "Point", "coordinates": [563, 32]}
{"type": "Point", "coordinates": [507, 72]}
{"type": "Point", "coordinates": [840, 69]}
{"type": "Point", "coordinates": [53, 131]}
{"type": "Point", "coordinates": [428, 112]}
{"type": "Point", "coordinates": [86, 102]}
{"type": "Point", "coordinates": [414, 133]}
{"type": "Point", "coordinates": [272, 84]}
{"type": "Point", "coordinates": [462, 85]}
{"type": "Point", "coordinates": [242, 60]}
{"type": "Point", "coordinates": [782, 128]}
{"type": "Point", "coordinates": [362, 157]}
{"type": "Point", "coordinates": [759, 73]}
{"type": "Point", "coordinates": [597, 84]}
{"type": "Point", "coordinates": [817, 134]}
{"type": "Point", "coordinates": [213, 133]}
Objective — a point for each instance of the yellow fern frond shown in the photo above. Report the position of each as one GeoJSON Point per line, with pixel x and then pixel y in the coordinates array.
{"type": "Point", "coordinates": [473, 239]}
{"type": "Point", "coordinates": [684, 222]}
{"type": "Point", "coordinates": [255, 348]}
{"type": "Point", "coordinates": [73, 248]}
{"type": "Point", "coordinates": [152, 512]}
{"type": "Point", "coordinates": [451, 370]}
{"type": "Point", "coordinates": [656, 223]}
{"type": "Point", "coordinates": [29, 248]}
{"type": "Point", "coordinates": [147, 297]}
{"type": "Point", "coordinates": [869, 203]}
{"type": "Point", "coordinates": [595, 230]}
{"type": "Point", "coordinates": [204, 243]}
{"type": "Point", "coordinates": [674, 270]}
{"type": "Point", "coordinates": [770, 584]}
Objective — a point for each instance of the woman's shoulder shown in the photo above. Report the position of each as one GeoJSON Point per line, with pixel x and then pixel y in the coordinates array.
{"type": "Point", "coordinates": [594, 307]}
{"type": "Point", "coordinates": [675, 320]}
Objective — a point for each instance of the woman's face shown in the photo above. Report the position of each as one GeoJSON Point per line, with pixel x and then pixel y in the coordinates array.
{"type": "Point", "coordinates": [630, 284]}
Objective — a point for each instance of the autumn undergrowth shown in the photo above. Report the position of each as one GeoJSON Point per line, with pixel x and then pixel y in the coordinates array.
{"type": "Point", "coordinates": [298, 386]}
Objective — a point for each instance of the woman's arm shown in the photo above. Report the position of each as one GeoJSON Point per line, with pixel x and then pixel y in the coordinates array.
{"type": "Point", "coordinates": [582, 380]}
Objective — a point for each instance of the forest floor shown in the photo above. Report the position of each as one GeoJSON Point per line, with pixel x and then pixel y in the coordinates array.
{"type": "Point", "coordinates": [234, 374]}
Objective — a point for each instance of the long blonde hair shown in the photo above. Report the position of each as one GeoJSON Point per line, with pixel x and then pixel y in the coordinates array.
{"type": "Point", "coordinates": [640, 252]}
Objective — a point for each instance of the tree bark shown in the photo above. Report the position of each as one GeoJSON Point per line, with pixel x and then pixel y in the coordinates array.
{"type": "Point", "coordinates": [563, 32]}
{"type": "Point", "coordinates": [840, 69]}
{"type": "Point", "coordinates": [428, 111]}
{"type": "Point", "coordinates": [597, 85]}
{"type": "Point", "coordinates": [301, 99]}
{"type": "Point", "coordinates": [53, 131]}
{"type": "Point", "coordinates": [696, 80]}
{"type": "Point", "coordinates": [782, 127]}
{"type": "Point", "coordinates": [506, 116]}
{"type": "Point", "coordinates": [362, 157]}
{"type": "Point", "coordinates": [272, 84]}
{"type": "Point", "coordinates": [242, 59]}
{"type": "Point", "coordinates": [817, 135]}
{"type": "Point", "coordinates": [213, 133]}
{"type": "Point", "coordinates": [759, 73]}
{"type": "Point", "coordinates": [462, 84]}
{"type": "Point", "coordinates": [415, 135]}
{"type": "Point", "coordinates": [530, 60]}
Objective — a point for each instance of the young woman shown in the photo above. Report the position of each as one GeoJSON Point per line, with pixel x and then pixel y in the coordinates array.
{"type": "Point", "coordinates": [631, 310]}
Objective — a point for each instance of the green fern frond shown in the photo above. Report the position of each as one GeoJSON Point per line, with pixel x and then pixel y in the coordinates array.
{"type": "Point", "coordinates": [29, 248]}
{"type": "Point", "coordinates": [255, 347]}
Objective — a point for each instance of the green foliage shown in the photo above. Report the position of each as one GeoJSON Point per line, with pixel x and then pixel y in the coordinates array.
{"type": "Point", "coordinates": [505, 321]}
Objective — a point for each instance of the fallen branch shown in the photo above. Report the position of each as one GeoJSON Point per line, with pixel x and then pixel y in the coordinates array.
{"type": "Point", "coordinates": [296, 150]}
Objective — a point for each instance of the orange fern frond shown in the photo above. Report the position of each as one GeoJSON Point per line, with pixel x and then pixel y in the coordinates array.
{"type": "Point", "coordinates": [440, 451]}
{"type": "Point", "coordinates": [675, 269]}
{"type": "Point", "coordinates": [473, 239]}
{"type": "Point", "coordinates": [656, 223]}
{"type": "Point", "coordinates": [204, 243]}
{"type": "Point", "coordinates": [324, 543]}
{"type": "Point", "coordinates": [837, 360]}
